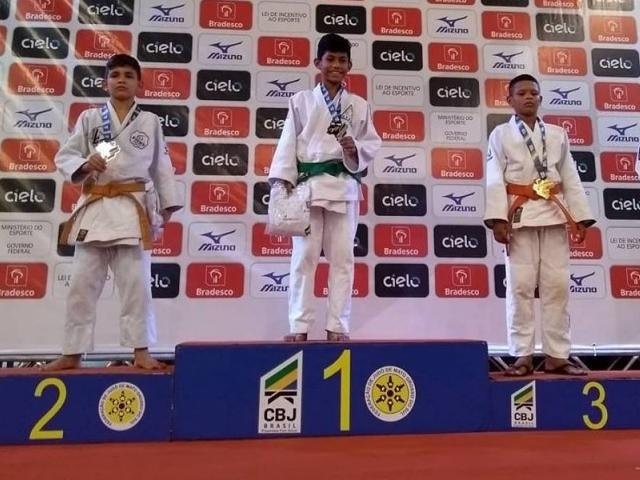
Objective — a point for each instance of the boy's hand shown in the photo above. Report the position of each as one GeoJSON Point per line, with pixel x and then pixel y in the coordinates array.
{"type": "Point", "coordinates": [580, 233]}
{"type": "Point", "coordinates": [94, 163]}
{"type": "Point", "coordinates": [501, 232]}
{"type": "Point", "coordinates": [287, 185]}
{"type": "Point", "coordinates": [349, 147]}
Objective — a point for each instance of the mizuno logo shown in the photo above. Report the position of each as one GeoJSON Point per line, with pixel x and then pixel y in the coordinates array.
{"type": "Point", "coordinates": [398, 160]}
{"type": "Point", "coordinates": [457, 199]}
{"type": "Point", "coordinates": [564, 93]}
{"type": "Point", "coordinates": [451, 21]}
{"type": "Point", "coordinates": [33, 116]}
{"type": "Point", "coordinates": [224, 48]}
{"type": "Point", "coordinates": [277, 279]}
{"type": "Point", "coordinates": [166, 11]}
{"type": "Point", "coordinates": [283, 85]}
{"type": "Point", "coordinates": [216, 238]}
{"type": "Point", "coordinates": [578, 280]}
{"type": "Point", "coordinates": [505, 57]}
{"type": "Point", "coordinates": [622, 130]}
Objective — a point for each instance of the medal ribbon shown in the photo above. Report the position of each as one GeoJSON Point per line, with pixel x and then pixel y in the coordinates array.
{"type": "Point", "coordinates": [541, 166]}
{"type": "Point", "coordinates": [334, 111]}
{"type": "Point", "coordinates": [106, 122]}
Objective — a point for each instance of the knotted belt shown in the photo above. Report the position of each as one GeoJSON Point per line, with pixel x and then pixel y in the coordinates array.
{"type": "Point", "coordinates": [306, 170]}
{"type": "Point", "coordinates": [524, 193]}
{"type": "Point", "coordinates": [110, 190]}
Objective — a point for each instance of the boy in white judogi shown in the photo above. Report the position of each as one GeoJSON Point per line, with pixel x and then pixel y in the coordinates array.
{"type": "Point", "coordinates": [533, 192]}
{"type": "Point", "coordinates": [119, 154]}
{"type": "Point", "coordinates": [327, 140]}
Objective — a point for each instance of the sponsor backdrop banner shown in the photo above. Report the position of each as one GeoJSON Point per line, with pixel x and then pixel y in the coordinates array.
{"type": "Point", "coordinates": [219, 75]}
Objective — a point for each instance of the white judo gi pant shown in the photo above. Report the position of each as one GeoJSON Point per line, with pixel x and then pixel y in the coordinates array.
{"type": "Point", "coordinates": [538, 256]}
{"type": "Point", "coordinates": [130, 265]}
{"type": "Point", "coordinates": [334, 233]}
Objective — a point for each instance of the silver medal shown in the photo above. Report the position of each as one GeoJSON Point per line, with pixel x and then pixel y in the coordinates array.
{"type": "Point", "coordinates": [108, 150]}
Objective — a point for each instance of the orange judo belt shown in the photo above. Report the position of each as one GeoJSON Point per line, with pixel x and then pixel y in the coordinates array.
{"type": "Point", "coordinates": [110, 190]}
{"type": "Point", "coordinates": [540, 189]}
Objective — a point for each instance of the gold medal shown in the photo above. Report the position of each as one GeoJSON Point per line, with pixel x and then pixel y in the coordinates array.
{"type": "Point", "coordinates": [543, 187]}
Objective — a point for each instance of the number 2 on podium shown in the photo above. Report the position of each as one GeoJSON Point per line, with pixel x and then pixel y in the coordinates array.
{"type": "Point", "coordinates": [342, 365]}
{"type": "Point", "coordinates": [38, 432]}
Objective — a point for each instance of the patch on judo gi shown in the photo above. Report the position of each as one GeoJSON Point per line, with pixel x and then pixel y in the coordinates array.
{"type": "Point", "coordinates": [139, 139]}
{"type": "Point", "coordinates": [82, 234]}
{"type": "Point", "coordinates": [517, 215]}
{"type": "Point", "coordinates": [121, 406]}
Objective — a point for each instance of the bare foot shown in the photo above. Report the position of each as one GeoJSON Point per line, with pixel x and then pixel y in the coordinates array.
{"type": "Point", "coordinates": [65, 362]}
{"type": "Point", "coordinates": [143, 360]}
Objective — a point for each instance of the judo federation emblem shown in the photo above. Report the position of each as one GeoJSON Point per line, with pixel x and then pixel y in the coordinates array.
{"type": "Point", "coordinates": [121, 406]}
{"type": "Point", "coordinates": [139, 139]}
{"type": "Point", "coordinates": [390, 393]}
{"type": "Point", "coordinates": [281, 398]}
{"type": "Point", "coordinates": [523, 407]}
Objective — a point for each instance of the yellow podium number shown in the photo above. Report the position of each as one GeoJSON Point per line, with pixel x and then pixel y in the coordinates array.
{"type": "Point", "coordinates": [598, 403]}
{"type": "Point", "coordinates": [343, 366]}
{"type": "Point", "coordinates": [38, 432]}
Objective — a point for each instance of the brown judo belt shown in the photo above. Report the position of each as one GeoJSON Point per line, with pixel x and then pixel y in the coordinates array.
{"type": "Point", "coordinates": [110, 190]}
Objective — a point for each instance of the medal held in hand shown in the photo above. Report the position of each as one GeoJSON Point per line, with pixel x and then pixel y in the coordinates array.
{"type": "Point", "coordinates": [337, 128]}
{"type": "Point", "coordinates": [108, 150]}
{"type": "Point", "coordinates": [543, 187]}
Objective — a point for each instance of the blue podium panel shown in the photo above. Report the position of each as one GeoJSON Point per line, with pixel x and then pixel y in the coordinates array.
{"type": "Point", "coordinates": [100, 406]}
{"type": "Point", "coordinates": [549, 403]}
{"type": "Point", "coordinates": [262, 390]}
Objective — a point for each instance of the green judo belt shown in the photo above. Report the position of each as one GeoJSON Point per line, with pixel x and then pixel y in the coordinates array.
{"type": "Point", "coordinates": [306, 170]}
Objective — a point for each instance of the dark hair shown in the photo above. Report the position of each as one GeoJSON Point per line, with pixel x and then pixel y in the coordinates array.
{"type": "Point", "coordinates": [525, 77]}
{"type": "Point", "coordinates": [123, 60]}
{"type": "Point", "coordinates": [332, 42]}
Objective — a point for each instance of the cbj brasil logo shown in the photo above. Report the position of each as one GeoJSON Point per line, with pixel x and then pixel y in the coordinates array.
{"type": "Point", "coordinates": [280, 400]}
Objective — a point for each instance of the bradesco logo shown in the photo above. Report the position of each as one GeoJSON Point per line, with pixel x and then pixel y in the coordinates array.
{"type": "Point", "coordinates": [23, 280]}
{"type": "Point", "coordinates": [222, 122]}
{"type": "Point", "coordinates": [396, 21]}
{"type": "Point", "coordinates": [167, 48]}
{"type": "Point", "coordinates": [612, 29]}
{"type": "Point", "coordinates": [495, 92]}
{"type": "Point", "coordinates": [270, 122]}
{"type": "Point", "coordinates": [615, 5]}
{"type": "Point", "coordinates": [106, 12]}
{"type": "Point", "coordinates": [283, 51]}
{"type": "Point", "coordinates": [101, 44]}
{"type": "Point", "coordinates": [165, 280]}
{"type": "Point", "coordinates": [360, 287]}
{"type": "Point", "coordinates": [559, 27]}
{"type": "Point", "coordinates": [178, 155]}
{"type": "Point", "coordinates": [401, 280]}
{"type": "Point", "coordinates": [462, 281]}
{"type": "Point", "coordinates": [460, 241]}
{"type": "Point", "coordinates": [224, 85]}
{"type": "Point", "coordinates": [226, 15]}
{"type": "Point", "coordinates": [220, 159]}
{"type": "Point", "coordinates": [215, 280]}
{"type": "Point", "coordinates": [266, 245]}
{"type": "Point", "coordinates": [586, 165]}
{"type": "Point", "coordinates": [506, 25]}
{"type": "Point", "coordinates": [40, 42]}
{"type": "Point", "coordinates": [590, 248]}
{"type": "Point", "coordinates": [400, 240]}
{"type": "Point", "coordinates": [89, 81]}
{"type": "Point", "coordinates": [174, 83]}
{"type": "Point", "coordinates": [36, 79]}
{"type": "Point", "coordinates": [42, 10]}
{"type": "Point", "coordinates": [169, 243]}
{"type": "Point", "coordinates": [219, 197]}
{"type": "Point", "coordinates": [28, 155]}
{"type": "Point", "coordinates": [625, 281]}
{"type": "Point", "coordinates": [562, 61]}
{"type": "Point", "coordinates": [70, 195]}
{"type": "Point", "coordinates": [348, 19]}
{"type": "Point", "coordinates": [615, 62]}
{"type": "Point", "coordinates": [618, 166]}
{"type": "Point", "coordinates": [27, 195]}
{"type": "Point", "coordinates": [263, 154]}
{"type": "Point", "coordinates": [622, 203]}
{"type": "Point", "coordinates": [568, 4]}
{"type": "Point", "coordinates": [457, 163]}
{"type": "Point", "coordinates": [399, 126]}
{"type": "Point", "coordinates": [617, 97]}
{"type": "Point", "coordinates": [173, 118]}
{"type": "Point", "coordinates": [261, 191]}
{"type": "Point", "coordinates": [397, 55]}
{"type": "Point", "coordinates": [453, 57]}
{"type": "Point", "coordinates": [578, 128]}
{"type": "Point", "coordinates": [454, 92]}
{"type": "Point", "coordinates": [565, 95]}
{"type": "Point", "coordinates": [402, 200]}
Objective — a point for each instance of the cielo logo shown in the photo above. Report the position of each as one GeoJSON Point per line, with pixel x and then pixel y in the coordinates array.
{"type": "Point", "coordinates": [218, 197]}
{"type": "Point", "coordinates": [40, 42]}
{"type": "Point", "coordinates": [167, 48]}
{"type": "Point", "coordinates": [622, 203]}
{"type": "Point", "coordinates": [612, 29]}
{"type": "Point", "coordinates": [41, 11]}
{"type": "Point", "coordinates": [523, 407]}
{"type": "Point", "coordinates": [101, 44]}
{"type": "Point", "coordinates": [618, 167]}
{"type": "Point", "coordinates": [460, 241]}
{"type": "Point", "coordinates": [174, 119]}
{"type": "Point", "coordinates": [403, 126]}
{"type": "Point", "coordinates": [397, 55]}
{"type": "Point", "coordinates": [220, 159]}
{"type": "Point", "coordinates": [503, 59]}
{"type": "Point", "coordinates": [165, 280]}
{"type": "Point", "coordinates": [400, 200]}
{"type": "Point", "coordinates": [443, 23]}
{"type": "Point", "coordinates": [28, 155]}
{"type": "Point", "coordinates": [589, 248]}
{"type": "Point", "coordinates": [615, 62]}
{"type": "Point", "coordinates": [270, 122]}
{"type": "Point", "coordinates": [224, 85]}
{"type": "Point", "coordinates": [341, 19]}
{"type": "Point", "coordinates": [585, 164]}
{"type": "Point", "coordinates": [506, 25]}
{"type": "Point", "coordinates": [401, 280]}
{"type": "Point", "coordinates": [278, 87]}
{"type": "Point", "coordinates": [167, 83]}
{"type": "Point", "coordinates": [565, 95]}
{"type": "Point", "coordinates": [617, 97]}
{"type": "Point", "coordinates": [106, 12]}
{"type": "Point", "coordinates": [89, 81]}
{"type": "Point", "coordinates": [453, 57]}
{"type": "Point", "coordinates": [283, 51]}
{"type": "Point", "coordinates": [24, 280]}
{"type": "Point", "coordinates": [27, 195]}
{"type": "Point", "coordinates": [269, 280]}
{"type": "Point", "coordinates": [560, 27]}
{"type": "Point", "coordinates": [169, 243]}
{"type": "Point", "coordinates": [215, 280]}
{"type": "Point", "coordinates": [619, 131]}
{"type": "Point", "coordinates": [396, 21]}
{"type": "Point", "coordinates": [614, 5]}
{"type": "Point", "coordinates": [454, 92]}
{"type": "Point", "coordinates": [578, 128]}
{"type": "Point", "coordinates": [461, 280]}
{"type": "Point", "coordinates": [562, 61]}
{"type": "Point", "coordinates": [216, 239]}
{"type": "Point", "coordinates": [224, 49]}
{"type": "Point", "coordinates": [280, 400]}
{"type": "Point", "coordinates": [37, 79]}
{"type": "Point", "coordinates": [625, 281]}
{"type": "Point", "coordinates": [458, 201]}
{"type": "Point", "coordinates": [226, 14]}
{"type": "Point", "coordinates": [457, 163]}
{"type": "Point", "coordinates": [222, 121]}
{"type": "Point", "coordinates": [266, 245]}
